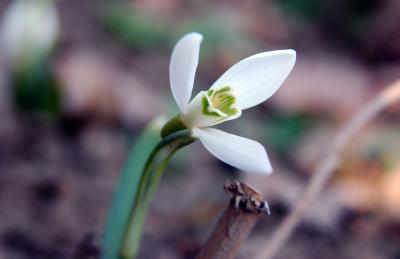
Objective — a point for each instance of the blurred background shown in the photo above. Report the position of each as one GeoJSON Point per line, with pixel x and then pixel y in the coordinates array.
{"type": "Point", "coordinates": [80, 79]}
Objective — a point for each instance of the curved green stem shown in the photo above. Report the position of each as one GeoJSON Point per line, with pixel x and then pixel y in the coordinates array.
{"type": "Point", "coordinates": [149, 180]}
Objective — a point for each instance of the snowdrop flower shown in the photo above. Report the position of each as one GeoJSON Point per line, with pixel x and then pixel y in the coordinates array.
{"type": "Point", "coordinates": [244, 85]}
{"type": "Point", "coordinates": [28, 29]}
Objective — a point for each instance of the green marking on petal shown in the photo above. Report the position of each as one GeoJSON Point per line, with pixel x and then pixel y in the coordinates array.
{"type": "Point", "coordinates": [206, 108]}
{"type": "Point", "coordinates": [224, 89]}
{"type": "Point", "coordinates": [219, 102]}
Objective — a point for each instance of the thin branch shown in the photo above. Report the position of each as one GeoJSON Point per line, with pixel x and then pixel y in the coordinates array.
{"type": "Point", "coordinates": [243, 211]}
{"type": "Point", "coordinates": [327, 167]}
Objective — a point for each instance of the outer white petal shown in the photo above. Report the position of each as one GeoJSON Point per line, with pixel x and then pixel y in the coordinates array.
{"type": "Point", "coordinates": [242, 153]}
{"type": "Point", "coordinates": [257, 77]}
{"type": "Point", "coordinates": [182, 68]}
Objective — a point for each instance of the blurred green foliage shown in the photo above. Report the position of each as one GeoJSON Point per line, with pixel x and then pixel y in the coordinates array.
{"type": "Point", "coordinates": [344, 23]}
{"type": "Point", "coordinates": [220, 34]}
{"type": "Point", "coordinates": [305, 9]}
{"type": "Point", "coordinates": [283, 131]}
{"type": "Point", "coordinates": [142, 30]}
{"type": "Point", "coordinates": [133, 27]}
{"type": "Point", "coordinates": [347, 11]}
{"type": "Point", "coordinates": [35, 89]}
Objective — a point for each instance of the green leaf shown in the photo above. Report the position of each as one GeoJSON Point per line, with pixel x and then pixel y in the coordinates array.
{"type": "Point", "coordinates": [150, 179]}
{"type": "Point", "coordinates": [124, 196]}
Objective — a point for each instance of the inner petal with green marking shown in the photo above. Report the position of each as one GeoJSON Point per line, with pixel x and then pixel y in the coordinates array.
{"type": "Point", "coordinates": [219, 102]}
{"type": "Point", "coordinates": [212, 107]}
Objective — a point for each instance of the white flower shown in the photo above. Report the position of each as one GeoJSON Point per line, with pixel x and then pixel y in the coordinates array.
{"type": "Point", "coordinates": [244, 85]}
{"type": "Point", "coordinates": [28, 28]}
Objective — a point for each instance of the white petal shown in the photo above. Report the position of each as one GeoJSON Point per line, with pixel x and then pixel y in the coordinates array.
{"type": "Point", "coordinates": [245, 154]}
{"type": "Point", "coordinates": [182, 68]}
{"type": "Point", "coordinates": [256, 78]}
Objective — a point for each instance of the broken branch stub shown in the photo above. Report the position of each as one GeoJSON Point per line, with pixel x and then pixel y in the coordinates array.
{"type": "Point", "coordinates": [245, 208]}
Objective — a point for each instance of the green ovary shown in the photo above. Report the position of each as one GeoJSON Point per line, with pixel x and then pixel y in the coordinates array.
{"type": "Point", "coordinates": [219, 102]}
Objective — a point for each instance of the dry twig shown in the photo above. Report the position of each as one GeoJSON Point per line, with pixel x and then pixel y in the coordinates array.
{"type": "Point", "coordinates": [243, 211]}
{"type": "Point", "coordinates": [328, 165]}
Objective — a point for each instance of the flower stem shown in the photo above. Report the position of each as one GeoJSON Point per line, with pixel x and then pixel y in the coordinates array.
{"type": "Point", "coordinates": [173, 125]}
{"type": "Point", "coordinates": [150, 178]}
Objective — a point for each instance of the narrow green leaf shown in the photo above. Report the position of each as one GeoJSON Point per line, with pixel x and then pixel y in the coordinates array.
{"type": "Point", "coordinates": [147, 187]}
{"type": "Point", "coordinates": [125, 194]}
